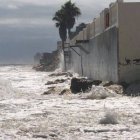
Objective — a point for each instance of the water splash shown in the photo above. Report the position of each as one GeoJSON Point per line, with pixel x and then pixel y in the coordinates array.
{"type": "Point", "coordinates": [6, 89]}
{"type": "Point", "coordinates": [61, 64]}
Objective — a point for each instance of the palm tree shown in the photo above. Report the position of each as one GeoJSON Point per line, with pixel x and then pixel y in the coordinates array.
{"type": "Point", "coordinates": [61, 24]}
{"type": "Point", "coordinates": [70, 12]}
{"type": "Point", "coordinates": [65, 20]}
{"type": "Point", "coordinates": [66, 17]}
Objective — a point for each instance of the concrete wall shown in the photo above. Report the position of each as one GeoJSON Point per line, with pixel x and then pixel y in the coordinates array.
{"type": "Point", "coordinates": [80, 36]}
{"type": "Point", "coordinates": [97, 26]}
{"type": "Point", "coordinates": [103, 19]}
{"type": "Point", "coordinates": [129, 41]}
{"type": "Point", "coordinates": [73, 41]}
{"type": "Point", "coordinates": [86, 32]}
{"type": "Point", "coordinates": [112, 53]}
{"type": "Point", "coordinates": [113, 14]}
{"type": "Point", "coordinates": [99, 57]}
{"type": "Point", "coordinates": [92, 29]}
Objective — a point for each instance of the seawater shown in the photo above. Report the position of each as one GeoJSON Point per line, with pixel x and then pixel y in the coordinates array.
{"type": "Point", "coordinates": [21, 79]}
{"type": "Point", "coordinates": [20, 88]}
{"type": "Point", "coordinates": [26, 114]}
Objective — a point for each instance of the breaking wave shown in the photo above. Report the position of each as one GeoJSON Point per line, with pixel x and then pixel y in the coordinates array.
{"type": "Point", "coordinates": [6, 89]}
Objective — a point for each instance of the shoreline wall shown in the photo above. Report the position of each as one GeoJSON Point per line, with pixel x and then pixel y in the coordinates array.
{"type": "Point", "coordinates": [98, 57]}
{"type": "Point", "coordinates": [108, 48]}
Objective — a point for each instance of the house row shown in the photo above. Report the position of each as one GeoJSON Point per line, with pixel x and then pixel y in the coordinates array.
{"type": "Point", "coordinates": [107, 18]}
{"type": "Point", "coordinates": [108, 48]}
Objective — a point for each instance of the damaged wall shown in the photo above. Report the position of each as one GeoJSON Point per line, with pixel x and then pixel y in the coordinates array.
{"type": "Point", "coordinates": [129, 41]}
{"type": "Point", "coordinates": [99, 57]}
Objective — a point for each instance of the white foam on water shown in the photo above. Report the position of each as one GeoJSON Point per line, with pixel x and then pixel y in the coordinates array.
{"type": "Point", "coordinates": [26, 114]}
{"type": "Point", "coordinates": [6, 89]}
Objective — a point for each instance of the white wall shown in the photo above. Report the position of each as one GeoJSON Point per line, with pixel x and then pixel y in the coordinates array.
{"type": "Point", "coordinates": [99, 57]}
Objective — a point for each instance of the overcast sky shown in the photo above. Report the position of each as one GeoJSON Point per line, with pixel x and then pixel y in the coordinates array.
{"type": "Point", "coordinates": [26, 26]}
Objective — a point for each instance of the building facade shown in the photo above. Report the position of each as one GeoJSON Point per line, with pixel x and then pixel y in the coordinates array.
{"type": "Point", "coordinates": [108, 48]}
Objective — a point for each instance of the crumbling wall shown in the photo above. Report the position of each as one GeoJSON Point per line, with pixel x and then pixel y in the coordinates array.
{"type": "Point", "coordinates": [48, 61]}
{"type": "Point", "coordinates": [129, 42]}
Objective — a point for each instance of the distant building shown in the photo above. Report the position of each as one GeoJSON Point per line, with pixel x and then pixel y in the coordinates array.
{"type": "Point", "coordinates": [37, 58]}
{"type": "Point", "coordinates": [46, 58]}
{"type": "Point", "coordinates": [47, 61]}
{"type": "Point", "coordinates": [109, 47]}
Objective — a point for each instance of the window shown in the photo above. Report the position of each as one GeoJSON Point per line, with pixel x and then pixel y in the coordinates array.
{"type": "Point", "coordinates": [107, 20]}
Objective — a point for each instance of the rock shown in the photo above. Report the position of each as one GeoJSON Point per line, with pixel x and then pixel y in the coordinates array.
{"type": "Point", "coordinates": [57, 90]}
{"type": "Point", "coordinates": [59, 81]}
{"type": "Point", "coordinates": [55, 74]}
{"type": "Point", "coordinates": [51, 87]}
{"type": "Point", "coordinates": [97, 131]}
{"type": "Point", "coordinates": [106, 83]}
{"type": "Point", "coordinates": [40, 136]}
{"type": "Point", "coordinates": [50, 91]}
{"type": "Point", "coordinates": [55, 82]}
{"type": "Point", "coordinates": [116, 88]}
{"type": "Point", "coordinates": [96, 82]}
{"type": "Point", "coordinates": [38, 68]}
{"type": "Point", "coordinates": [99, 92]}
{"type": "Point", "coordinates": [67, 74]}
{"type": "Point", "coordinates": [65, 91]}
{"type": "Point", "coordinates": [133, 89]}
{"type": "Point", "coordinates": [53, 135]}
{"type": "Point", "coordinates": [50, 83]}
{"type": "Point", "coordinates": [82, 84]}
{"type": "Point", "coordinates": [124, 84]}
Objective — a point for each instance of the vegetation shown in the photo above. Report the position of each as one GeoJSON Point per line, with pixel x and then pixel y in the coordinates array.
{"type": "Point", "coordinates": [65, 19]}
{"type": "Point", "coordinates": [60, 23]}
{"type": "Point", "coordinates": [78, 29]}
{"type": "Point", "coordinates": [71, 12]}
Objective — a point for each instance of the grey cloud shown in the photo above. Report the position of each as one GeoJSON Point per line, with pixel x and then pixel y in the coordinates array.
{"type": "Point", "coordinates": [20, 44]}
{"type": "Point", "coordinates": [29, 12]}
{"type": "Point", "coordinates": [26, 29]}
{"type": "Point", "coordinates": [26, 26]}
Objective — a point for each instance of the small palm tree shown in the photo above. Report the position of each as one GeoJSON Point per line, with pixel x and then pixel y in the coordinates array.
{"type": "Point", "coordinates": [70, 12]}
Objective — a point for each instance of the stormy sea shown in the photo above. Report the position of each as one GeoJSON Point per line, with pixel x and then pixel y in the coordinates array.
{"type": "Point", "coordinates": [27, 113]}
